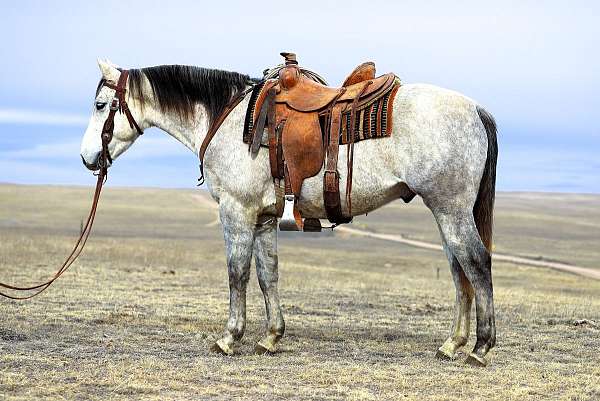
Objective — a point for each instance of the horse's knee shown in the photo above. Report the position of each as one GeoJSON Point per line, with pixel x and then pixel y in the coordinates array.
{"type": "Point", "coordinates": [239, 275]}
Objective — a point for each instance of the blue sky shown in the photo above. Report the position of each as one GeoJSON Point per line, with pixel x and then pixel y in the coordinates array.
{"type": "Point", "coordinates": [536, 68]}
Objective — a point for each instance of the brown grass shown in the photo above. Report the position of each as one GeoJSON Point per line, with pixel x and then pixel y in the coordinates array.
{"type": "Point", "coordinates": [135, 317]}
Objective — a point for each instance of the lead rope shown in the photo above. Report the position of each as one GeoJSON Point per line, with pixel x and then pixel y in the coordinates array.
{"type": "Point", "coordinates": [85, 233]}
{"type": "Point", "coordinates": [118, 104]}
{"type": "Point", "coordinates": [77, 249]}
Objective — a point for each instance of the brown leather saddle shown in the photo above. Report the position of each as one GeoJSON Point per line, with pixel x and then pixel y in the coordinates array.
{"type": "Point", "coordinates": [306, 121]}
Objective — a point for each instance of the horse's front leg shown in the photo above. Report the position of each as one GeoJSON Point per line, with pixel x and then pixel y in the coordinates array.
{"type": "Point", "coordinates": [238, 229]}
{"type": "Point", "coordinates": [265, 254]}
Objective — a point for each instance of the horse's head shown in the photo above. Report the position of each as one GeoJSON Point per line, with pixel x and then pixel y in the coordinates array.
{"type": "Point", "coordinates": [124, 115]}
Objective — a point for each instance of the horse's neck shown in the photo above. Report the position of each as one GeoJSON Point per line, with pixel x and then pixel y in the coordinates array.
{"type": "Point", "coordinates": [190, 133]}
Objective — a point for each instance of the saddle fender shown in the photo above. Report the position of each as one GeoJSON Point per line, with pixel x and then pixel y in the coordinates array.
{"type": "Point", "coordinates": [302, 149]}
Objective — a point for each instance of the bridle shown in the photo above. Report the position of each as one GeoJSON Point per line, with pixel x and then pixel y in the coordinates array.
{"type": "Point", "coordinates": [117, 104]}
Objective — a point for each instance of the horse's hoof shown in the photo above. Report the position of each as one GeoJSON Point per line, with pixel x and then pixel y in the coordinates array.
{"type": "Point", "coordinates": [262, 348]}
{"type": "Point", "coordinates": [448, 350]}
{"type": "Point", "coordinates": [220, 347]}
{"type": "Point", "coordinates": [441, 355]}
{"type": "Point", "coordinates": [476, 360]}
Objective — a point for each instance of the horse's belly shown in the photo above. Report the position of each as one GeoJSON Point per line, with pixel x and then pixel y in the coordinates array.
{"type": "Point", "coordinates": [368, 194]}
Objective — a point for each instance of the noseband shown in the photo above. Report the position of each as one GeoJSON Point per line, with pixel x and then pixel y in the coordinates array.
{"type": "Point", "coordinates": [118, 104]}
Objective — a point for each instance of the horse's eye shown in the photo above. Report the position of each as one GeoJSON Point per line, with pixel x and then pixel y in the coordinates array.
{"type": "Point", "coordinates": [100, 105]}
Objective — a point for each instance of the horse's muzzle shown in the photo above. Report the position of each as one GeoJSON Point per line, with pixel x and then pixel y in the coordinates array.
{"type": "Point", "coordinates": [94, 166]}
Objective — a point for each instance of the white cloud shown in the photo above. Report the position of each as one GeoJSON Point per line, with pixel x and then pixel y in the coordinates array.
{"type": "Point", "coordinates": [44, 151]}
{"type": "Point", "coordinates": [23, 116]}
{"type": "Point", "coordinates": [148, 146]}
{"type": "Point", "coordinates": [43, 172]}
{"type": "Point", "coordinates": [74, 173]}
{"type": "Point", "coordinates": [59, 163]}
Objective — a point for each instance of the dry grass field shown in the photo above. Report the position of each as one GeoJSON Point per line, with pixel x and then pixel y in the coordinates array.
{"type": "Point", "coordinates": [135, 317]}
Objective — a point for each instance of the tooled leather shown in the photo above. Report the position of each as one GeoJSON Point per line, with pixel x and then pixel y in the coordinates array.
{"type": "Point", "coordinates": [362, 73]}
{"type": "Point", "coordinates": [307, 95]}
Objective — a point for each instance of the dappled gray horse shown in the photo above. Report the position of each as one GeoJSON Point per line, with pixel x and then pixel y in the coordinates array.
{"type": "Point", "coordinates": [443, 148]}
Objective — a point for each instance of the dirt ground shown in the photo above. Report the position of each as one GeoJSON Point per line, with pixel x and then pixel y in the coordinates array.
{"type": "Point", "coordinates": [135, 317]}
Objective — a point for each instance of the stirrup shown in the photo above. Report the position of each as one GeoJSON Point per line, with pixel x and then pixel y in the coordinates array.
{"type": "Point", "coordinates": [288, 221]}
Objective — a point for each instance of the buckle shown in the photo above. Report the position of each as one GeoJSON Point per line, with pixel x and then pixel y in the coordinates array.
{"type": "Point", "coordinates": [114, 105]}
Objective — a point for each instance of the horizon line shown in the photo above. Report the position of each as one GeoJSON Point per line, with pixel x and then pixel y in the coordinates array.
{"type": "Point", "coordinates": [203, 188]}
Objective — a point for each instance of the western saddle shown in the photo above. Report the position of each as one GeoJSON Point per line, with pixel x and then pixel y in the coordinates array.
{"type": "Point", "coordinates": [306, 121]}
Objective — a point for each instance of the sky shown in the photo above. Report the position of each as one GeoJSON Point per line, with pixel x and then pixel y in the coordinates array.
{"type": "Point", "coordinates": [534, 65]}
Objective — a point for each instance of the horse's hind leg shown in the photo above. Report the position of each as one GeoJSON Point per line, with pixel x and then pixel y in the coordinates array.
{"type": "Point", "coordinates": [462, 310]}
{"type": "Point", "coordinates": [460, 234]}
{"type": "Point", "coordinates": [238, 230]}
{"type": "Point", "coordinates": [265, 254]}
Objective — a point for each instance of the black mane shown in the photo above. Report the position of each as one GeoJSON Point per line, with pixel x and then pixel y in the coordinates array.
{"type": "Point", "coordinates": [178, 88]}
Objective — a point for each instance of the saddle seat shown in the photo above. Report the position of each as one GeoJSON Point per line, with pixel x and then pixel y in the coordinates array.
{"type": "Point", "coordinates": [305, 95]}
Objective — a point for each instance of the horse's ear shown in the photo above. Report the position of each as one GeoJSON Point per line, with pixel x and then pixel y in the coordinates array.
{"type": "Point", "coordinates": [108, 71]}
{"type": "Point", "coordinates": [112, 64]}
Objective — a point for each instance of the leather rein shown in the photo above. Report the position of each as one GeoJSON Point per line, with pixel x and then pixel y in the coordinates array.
{"type": "Point", "coordinates": [117, 104]}
{"type": "Point", "coordinates": [214, 127]}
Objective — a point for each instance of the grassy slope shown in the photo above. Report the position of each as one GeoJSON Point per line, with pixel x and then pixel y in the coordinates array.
{"type": "Point", "coordinates": [135, 317]}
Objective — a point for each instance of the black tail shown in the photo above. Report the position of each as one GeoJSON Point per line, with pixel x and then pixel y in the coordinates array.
{"type": "Point", "coordinates": [483, 211]}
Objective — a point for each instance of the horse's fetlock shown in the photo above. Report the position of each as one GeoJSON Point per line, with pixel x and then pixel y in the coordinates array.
{"type": "Point", "coordinates": [460, 341]}
{"type": "Point", "coordinates": [279, 329]}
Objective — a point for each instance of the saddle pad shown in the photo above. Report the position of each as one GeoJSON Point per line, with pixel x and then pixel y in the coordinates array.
{"type": "Point", "coordinates": [373, 120]}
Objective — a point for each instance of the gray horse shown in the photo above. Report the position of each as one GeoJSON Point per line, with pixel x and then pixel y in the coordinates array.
{"type": "Point", "coordinates": [443, 148]}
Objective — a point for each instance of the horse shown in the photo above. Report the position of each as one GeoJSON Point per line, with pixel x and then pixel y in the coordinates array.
{"type": "Point", "coordinates": [443, 148]}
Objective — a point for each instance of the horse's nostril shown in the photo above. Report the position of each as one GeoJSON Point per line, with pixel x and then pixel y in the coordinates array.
{"type": "Point", "coordinates": [90, 166]}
